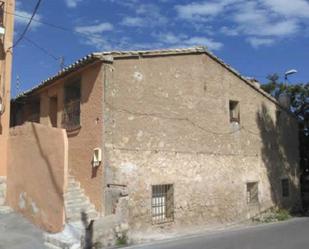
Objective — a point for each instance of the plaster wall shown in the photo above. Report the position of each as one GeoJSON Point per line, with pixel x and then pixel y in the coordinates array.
{"type": "Point", "coordinates": [167, 122]}
{"type": "Point", "coordinates": [5, 81]}
{"type": "Point", "coordinates": [37, 174]}
{"type": "Point", "coordinates": [83, 139]}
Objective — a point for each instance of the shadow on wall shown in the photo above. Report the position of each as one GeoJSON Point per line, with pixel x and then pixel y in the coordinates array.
{"type": "Point", "coordinates": [279, 153]}
{"type": "Point", "coordinates": [38, 153]}
{"type": "Point", "coordinates": [57, 186]}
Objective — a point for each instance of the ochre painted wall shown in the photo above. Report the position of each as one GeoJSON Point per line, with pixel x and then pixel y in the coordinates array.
{"type": "Point", "coordinates": [5, 81]}
{"type": "Point", "coordinates": [83, 140]}
{"type": "Point", "coordinates": [37, 174]}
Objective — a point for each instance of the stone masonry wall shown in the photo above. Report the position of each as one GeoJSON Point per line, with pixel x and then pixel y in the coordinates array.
{"type": "Point", "coordinates": [167, 122]}
{"type": "Point", "coordinates": [2, 190]}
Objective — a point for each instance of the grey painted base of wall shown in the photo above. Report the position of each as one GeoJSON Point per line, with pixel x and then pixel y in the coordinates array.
{"type": "Point", "coordinates": [2, 190]}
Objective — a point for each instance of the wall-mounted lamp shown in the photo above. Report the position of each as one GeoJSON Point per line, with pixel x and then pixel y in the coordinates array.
{"type": "Point", "coordinates": [97, 157]}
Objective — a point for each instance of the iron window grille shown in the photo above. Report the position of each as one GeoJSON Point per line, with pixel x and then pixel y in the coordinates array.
{"type": "Point", "coordinates": [285, 187]}
{"type": "Point", "coordinates": [71, 112]}
{"type": "Point", "coordinates": [252, 193]}
{"type": "Point", "coordinates": [1, 13]}
{"type": "Point", "coordinates": [71, 115]}
{"type": "Point", "coordinates": [162, 203]}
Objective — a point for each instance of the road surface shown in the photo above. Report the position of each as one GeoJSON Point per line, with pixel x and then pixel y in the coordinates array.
{"type": "Point", "coordinates": [291, 234]}
{"type": "Point", "coordinates": [18, 233]}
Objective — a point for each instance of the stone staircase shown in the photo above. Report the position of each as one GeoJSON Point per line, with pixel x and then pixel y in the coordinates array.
{"type": "Point", "coordinates": [77, 202]}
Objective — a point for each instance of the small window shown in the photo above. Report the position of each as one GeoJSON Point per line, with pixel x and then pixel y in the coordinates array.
{"type": "Point", "coordinates": [162, 203]}
{"type": "Point", "coordinates": [252, 193]}
{"type": "Point", "coordinates": [53, 109]}
{"type": "Point", "coordinates": [278, 114]}
{"type": "Point", "coordinates": [285, 187]}
{"type": "Point", "coordinates": [234, 111]}
{"type": "Point", "coordinates": [34, 112]}
{"type": "Point", "coordinates": [2, 13]}
{"type": "Point", "coordinates": [71, 112]}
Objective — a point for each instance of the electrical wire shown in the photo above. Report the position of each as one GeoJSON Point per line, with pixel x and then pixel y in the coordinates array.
{"type": "Point", "coordinates": [28, 25]}
{"type": "Point", "coordinates": [47, 52]}
{"type": "Point", "coordinates": [65, 29]}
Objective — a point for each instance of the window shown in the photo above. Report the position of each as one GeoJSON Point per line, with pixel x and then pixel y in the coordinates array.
{"type": "Point", "coordinates": [285, 187]}
{"type": "Point", "coordinates": [162, 203]}
{"type": "Point", "coordinates": [53, 109]}
{"type": "Point", "coordinates": [234, 111]}
{"type": "Point", "coordinates": [252, 193]}
{"type": "Point", "coordinates": [71, 112]}
{"type": "Point", "coordinates": [34, 111]}
{"type": "Point", "coordinates": [1, 13]}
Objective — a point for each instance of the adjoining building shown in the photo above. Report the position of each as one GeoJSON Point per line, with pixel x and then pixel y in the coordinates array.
{"type": "Point", "coordinates": [184, 136]}
{"type": "Point", "coordinates": [7, 8]}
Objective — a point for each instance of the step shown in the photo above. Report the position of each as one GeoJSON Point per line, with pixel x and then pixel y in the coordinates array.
{"type": "Point", "coordinates": [73, 187]}
{"type": "Point", "coordinates": [51, 246]}
{"type": "Point", "coordinates": [74, 191]}
{"type": "Point", "coordinates": [77, 217]}
{"type": "Point", "coordinates": [78, 206]}
{"type": "Point", "coordinates": [76, 199]}
{"type": "Point", "coordinates": [5, 210]}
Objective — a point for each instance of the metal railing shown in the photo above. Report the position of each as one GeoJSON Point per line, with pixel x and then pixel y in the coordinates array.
{"type": "Point", "coordinates": [2, 13]}
{"type": "Point", "coordinates": [71, 115]}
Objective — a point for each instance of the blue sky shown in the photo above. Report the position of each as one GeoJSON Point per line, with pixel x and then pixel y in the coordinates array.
{"type": "Point", "coordinates": [256, 37]}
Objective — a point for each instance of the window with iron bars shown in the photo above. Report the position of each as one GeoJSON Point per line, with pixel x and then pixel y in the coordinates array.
{"type": "Point", "coordinates": [71, 112]}
{"type": "Point", "coordinates": [252, 193]}
{"type": "Point", "coordinates": [1, 13]}
{"type": "Point", "coordinates": [162, 203]}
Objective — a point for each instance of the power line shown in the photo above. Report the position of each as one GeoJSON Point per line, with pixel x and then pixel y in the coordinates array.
{"type": "Point", "coordinates": [42, 49]}
{"type": "Point", "coordinates": [62, 28]}
{"type": "Point", "coordinates": [60, 59]}
{"type": "Point", "coordinates": [28, 25]}
{"type": "Point", "coordinates": [39, 21]}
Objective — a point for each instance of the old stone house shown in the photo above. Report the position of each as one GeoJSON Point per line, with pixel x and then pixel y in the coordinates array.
{"type": "Point", "coordinates": [184, 136]}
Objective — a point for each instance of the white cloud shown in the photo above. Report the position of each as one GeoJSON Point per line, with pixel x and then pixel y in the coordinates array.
{"type": "Point", "coordinates": [196, 11]}
{"type": "Point", "coordinates": [253, 20]}
{"type": "Point", "coordinates": [133, 22]}
{"type": "Point", "coordinates": [288, 8]}
{"type": "Point", "coordinates": [257, 42]}
{"type": "Point", "coordinates": [200, 11]}
{"type": "Point", "coordinates": [209, 43]}
{"type": "Point", "coordinates": [72, 3]}
{"type": "Point", "coordinates": [182, 40]}
{"type": "Point", "coordinates": [152, 13]}
{"type": "Point", "coordinates": [228, 31]}
{"type": "Point", "coordinates": [94, 29]}
{"type": "Point", "coordinates": [22, 18]}
{"type": "Point", "coordinates": [269, 20]}
{"type": "Point", "coordinates": [92, 35]}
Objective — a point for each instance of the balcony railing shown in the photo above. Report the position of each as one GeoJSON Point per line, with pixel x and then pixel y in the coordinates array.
{"type": "Point", "coordinates": [1, 14]}
{"type": "Point", "coordinates": [71, 115]}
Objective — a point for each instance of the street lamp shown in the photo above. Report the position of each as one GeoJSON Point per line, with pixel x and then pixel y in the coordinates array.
{"type": "Point", "coordinates": [285, 98]}
{"type": "Point", "coordinates": [289, 72]}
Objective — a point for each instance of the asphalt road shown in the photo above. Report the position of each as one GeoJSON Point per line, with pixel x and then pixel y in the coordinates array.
{"type": "Point", "coordinates": [18, 233]}
{"type": "Point", "coordinates": [292, 234]}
